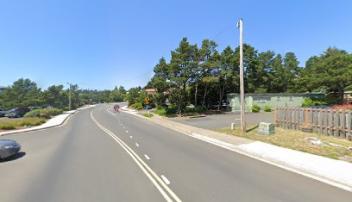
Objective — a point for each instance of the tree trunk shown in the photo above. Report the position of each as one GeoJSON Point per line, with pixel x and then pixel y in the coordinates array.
{"type": "Point", "coordinates": [341, 93]}
{"type": "Point", "coordinates": [195, 95]}
{"type": "Point", "coordinates": [221, 94]}
{"type": "Point", "coordinates": [205, 95]}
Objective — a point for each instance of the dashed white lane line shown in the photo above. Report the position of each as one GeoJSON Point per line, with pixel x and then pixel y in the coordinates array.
{"type": "Point", "coordinates": [165, 179]}
{"type": "Point", "coordinates": [126, 131]}
{"type": "Point", "coordinates": [131, 137]}
{"type": "Point", "coordinates": [137, 145]}
{"type": "Point", "coordinates": [146, 157]}
{"type": "Point", "coordinates": [166, 192]}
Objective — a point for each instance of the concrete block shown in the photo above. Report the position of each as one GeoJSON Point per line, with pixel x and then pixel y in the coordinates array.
{"type": "Point", "coordinates": [266, 128]}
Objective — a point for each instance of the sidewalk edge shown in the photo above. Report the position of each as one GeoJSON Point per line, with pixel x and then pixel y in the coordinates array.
{"type": "Point", "coordinates": [238, 150]}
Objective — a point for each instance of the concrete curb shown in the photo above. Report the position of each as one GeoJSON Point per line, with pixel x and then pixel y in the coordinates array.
{"type": "Point", "coordinates": [309, 165]}
{"type": "Point", "coordinates": [53, 122]}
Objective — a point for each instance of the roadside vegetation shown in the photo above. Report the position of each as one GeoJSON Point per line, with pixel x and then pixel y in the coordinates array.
{"type": "Point", "coordinates": [330, 146]}
{"type": "Point", "coordinates": [44, 104]}
{"type": "Point", "coordinates": [26, 93]}
{"type": "Point", "coordinates": [43, 113]}
{"type": "Point", "coordinates": [201, 76]}
{"type": "Point", "coordinates": [9, 124]}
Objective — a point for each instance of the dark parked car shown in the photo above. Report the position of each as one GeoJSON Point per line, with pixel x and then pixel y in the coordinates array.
{"type": "Point", "coordinates": [17, 112]}
{"type": "Point", "coordinates": [8, 148]}
{"type": "Point", "coordinates": [2, 113]}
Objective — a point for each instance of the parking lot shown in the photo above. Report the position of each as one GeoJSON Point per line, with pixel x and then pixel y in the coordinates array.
{"type": "Point", "coordinates": [224, 120]}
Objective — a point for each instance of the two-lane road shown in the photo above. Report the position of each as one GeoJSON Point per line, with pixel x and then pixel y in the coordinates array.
{"type": "Point", "coordinates": [99, 155]}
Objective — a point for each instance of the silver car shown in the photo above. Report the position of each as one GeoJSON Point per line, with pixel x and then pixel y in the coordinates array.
{"type": "Point", "coordinates": [8, 148]}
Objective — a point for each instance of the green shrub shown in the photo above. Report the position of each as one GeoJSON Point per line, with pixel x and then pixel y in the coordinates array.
{"type": "Point", "coordinates": [171, 109]}
{"type": "Point", "coordinates": [137, 106]}
{"type": "Point", "coordinates": [43, 113]}
{"type": "Point", "coordinates": [31, 121]}
{"type": "Point", "coordinates": [267, 108]}
{"type": "Point", "coordinates": [309, 102]}
{"type": "Point", "coordinates": [255, 108]}
{"type": "Point", "coordinates": [161, 111]}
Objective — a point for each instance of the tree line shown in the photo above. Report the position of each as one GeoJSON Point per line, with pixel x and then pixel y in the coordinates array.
{"type": "Point", "coordinates": [26, 93]}
{"type": "Point", "coordinates": [202, 75]}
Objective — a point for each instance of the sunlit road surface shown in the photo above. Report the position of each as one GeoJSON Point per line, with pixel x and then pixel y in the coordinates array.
{"type": "Point", "coordinates": [99, 155]}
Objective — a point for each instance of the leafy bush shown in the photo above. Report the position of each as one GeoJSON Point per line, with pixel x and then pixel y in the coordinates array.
{"type": "Point", "coordinates": [255, 108]}
{"type": "Point", "coordinates": [161, 111]}
{"type": "Point", "coordinates": [267, 108]}
{"type": "Point", "coordinates": [137, 106]}
{"type": "Point", "coordinates": [171, 109]}
{"type": "Point", "coordinates": [309, 102]}
{"type": "Point", "coordinates": [43, 113]}
{"type": "Point", "coordinates": [31, 121]}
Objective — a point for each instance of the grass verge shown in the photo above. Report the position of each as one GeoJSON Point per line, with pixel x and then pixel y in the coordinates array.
{"type": "Point", "coordinates": [9, 124]}
{"type": "Point", "coordinates": [148, 115]}
{"type": "Point", "coordinates": [331, 147]}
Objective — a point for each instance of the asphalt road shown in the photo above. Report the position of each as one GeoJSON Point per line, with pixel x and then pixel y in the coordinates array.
{"type": "Point", "coordinates": [99, 155]}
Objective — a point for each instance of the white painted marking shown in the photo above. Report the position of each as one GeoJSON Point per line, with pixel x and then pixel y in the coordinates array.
{"type": "Point", "coordinates": [152, 176]}
{"type": "Point", "coordinates": [146, 157]}
{"type": "Point", "coordinates": [165, 179]}
{"type": "Point", "coordinates": [126, 131]}
{"type": "Point", "coordinates": [137, 145]}
{"type": "Point", "coordinates": [131, 136]}
{"type": "Point", "coordinates": [231, 147]}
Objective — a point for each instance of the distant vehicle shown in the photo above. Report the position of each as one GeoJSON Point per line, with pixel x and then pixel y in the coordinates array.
{"type": "Point", "coordinates": [116, 108]}
{"type": "Point", "coordinates": [2, 113]}
{"type": "Point", "coordinates": [147, 107]}
{"type": "Point", "coordinates": [17, 112]}
{"type": "Point", "coordinates": [8, 148]}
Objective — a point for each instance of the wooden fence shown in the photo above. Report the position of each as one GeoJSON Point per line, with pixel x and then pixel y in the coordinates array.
{"type": "Point", "coordinates": [324, 121]}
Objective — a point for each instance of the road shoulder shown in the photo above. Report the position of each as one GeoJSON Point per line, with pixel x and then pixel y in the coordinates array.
{"type": "Point", "coordinates": [329, 171]}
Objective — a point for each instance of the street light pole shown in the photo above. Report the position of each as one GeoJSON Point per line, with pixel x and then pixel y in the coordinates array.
{"type": "Point", "coordinates": [243, 124]}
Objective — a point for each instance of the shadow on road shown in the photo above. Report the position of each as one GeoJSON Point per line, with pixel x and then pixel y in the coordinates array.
{"type": "Point", "coordinates": [14, 157]}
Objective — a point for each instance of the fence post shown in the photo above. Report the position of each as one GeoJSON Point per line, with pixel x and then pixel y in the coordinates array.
{"type": "Point", "coordinates": [349, 126]}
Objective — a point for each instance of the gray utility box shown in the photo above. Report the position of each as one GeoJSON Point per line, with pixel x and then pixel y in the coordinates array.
{"type": "Point", "coordinates": [266, 128]}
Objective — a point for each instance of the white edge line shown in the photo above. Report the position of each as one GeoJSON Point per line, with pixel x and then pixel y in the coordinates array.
{"type": "Point", "coordinates": [321, 179]}
{"type": "Point", "coordinates": [140, 163]}
{"type": "Point", "coordinates": [225, 145]}
{"type": "Point", "coordinates": [165, 179]}
{"type": "Point", "coordinates": [111, 134]}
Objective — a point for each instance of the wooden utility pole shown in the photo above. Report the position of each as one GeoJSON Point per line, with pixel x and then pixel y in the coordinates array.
{"type": "Point", "coordinates": [243, 124]}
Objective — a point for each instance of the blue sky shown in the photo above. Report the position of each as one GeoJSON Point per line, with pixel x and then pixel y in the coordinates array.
{"type": "Point", "coordinates": [103, 43]}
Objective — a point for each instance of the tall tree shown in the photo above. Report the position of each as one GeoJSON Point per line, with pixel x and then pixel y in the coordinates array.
{"type": "Point", "coordinates": [209, 63]}
{"type": "Point", "coordinates": [55, 96]}
{"type": "Point", "coordinates": [332, 70]}
{"type": "Point", "coordinates": [22, 93]}
{"type": "Point", "coordinates": [183, 61]}
{"type": "Point", "coordinates": [292, 71]}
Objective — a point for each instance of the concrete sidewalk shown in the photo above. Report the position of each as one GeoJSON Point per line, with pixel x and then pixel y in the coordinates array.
{"type": "Point", "coordinates": [334, 172]}
{"type": "Point", "coordinates": [55, 121]}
